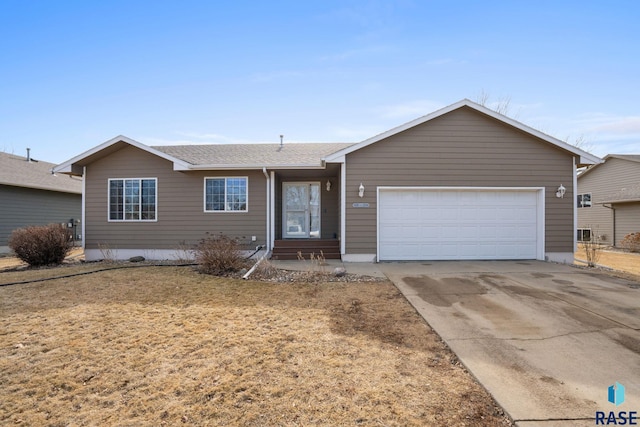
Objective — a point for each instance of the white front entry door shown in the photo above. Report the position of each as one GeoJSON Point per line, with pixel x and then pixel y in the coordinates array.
{"type": "Point", "coordinates": [300, 210]}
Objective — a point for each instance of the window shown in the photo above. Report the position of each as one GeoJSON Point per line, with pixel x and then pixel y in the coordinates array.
{"type": "Point", "coordinates": [584, 235]}
{"type": "Point", "coordinates": [584, 200]}
{"type": "Point", "coordinates": [225, 194]}
{"type": "Point", "coordinates": [132, 199]}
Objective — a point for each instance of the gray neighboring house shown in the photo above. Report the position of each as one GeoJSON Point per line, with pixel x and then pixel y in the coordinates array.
{"type": "Point", "coordinates": [30, 194]}
{"type": "Point", "coordinates": [461, 183]}
{"type": "Point", "coordinates": [609, 199]}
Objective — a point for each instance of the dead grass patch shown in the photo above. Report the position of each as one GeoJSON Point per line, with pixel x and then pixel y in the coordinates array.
{"type": "Point", "coordinates": [169, 346]}
{"type": "Point", "coordinates": [616, 259]}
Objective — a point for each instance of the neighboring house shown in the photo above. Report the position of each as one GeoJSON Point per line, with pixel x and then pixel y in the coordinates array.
{"type": "Point", "coordinates": [461, 183]}
{"type": "Point", "coordinates": [30, 194]}
{"type": "Point", "coordinates": [609, 199]}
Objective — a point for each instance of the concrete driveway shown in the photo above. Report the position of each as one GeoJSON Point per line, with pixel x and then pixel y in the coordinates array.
{"type": "Point", "coordinates": [546, 340]}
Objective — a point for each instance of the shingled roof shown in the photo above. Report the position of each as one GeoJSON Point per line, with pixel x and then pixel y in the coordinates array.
{"type": "Point", "coordinates": [17, 171]}
{"type": "Point", "coordinates": [251, 155]}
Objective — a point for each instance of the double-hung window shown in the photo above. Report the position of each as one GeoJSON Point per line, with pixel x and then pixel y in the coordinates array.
{"type": "Point", "coordinates": [584, 200]}
{"type": "Point", "coordinates": [133, 199]}
{"type": "Point", "coordinates": [584, 235]}
{"type": "Point", "coordinates": [227, 194]}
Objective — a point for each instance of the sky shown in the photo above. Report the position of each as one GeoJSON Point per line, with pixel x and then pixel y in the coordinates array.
{"type": "Point", "coordinates": [74, 74]}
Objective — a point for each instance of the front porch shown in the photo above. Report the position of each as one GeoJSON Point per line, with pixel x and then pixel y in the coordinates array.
{"type": "Point", "coordinates": [305, 213]}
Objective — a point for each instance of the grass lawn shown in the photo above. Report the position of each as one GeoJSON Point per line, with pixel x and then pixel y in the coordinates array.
{"type": "Point", "coordinates": [169, 346]}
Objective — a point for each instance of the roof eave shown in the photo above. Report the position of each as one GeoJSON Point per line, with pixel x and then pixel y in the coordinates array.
{"type": "Point", "coordinates": [615, 202]}
{"type": "Point", "coordinates": [252, 166]}
{"type": "Point", "coordinates": [71, 166]}
{"type": "Point", "coordinates": [584, 158]}
{"type": "Point", "coordinates": [41, 187]}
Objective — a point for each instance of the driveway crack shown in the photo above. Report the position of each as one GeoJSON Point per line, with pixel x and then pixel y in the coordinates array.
{"type": "Point", "coordinates": [533, 339]}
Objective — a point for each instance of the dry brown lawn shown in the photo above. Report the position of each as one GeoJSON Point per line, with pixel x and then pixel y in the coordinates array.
{"type": "Point", "coordinates": [616, 259]}
{"type": "Point", "coordinates": [169, 346]}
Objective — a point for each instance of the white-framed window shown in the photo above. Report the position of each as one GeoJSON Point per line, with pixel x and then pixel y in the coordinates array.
{"type": "Point", "coordinates": [133, 199]}
{"type": "Point", "coordinates": [584, 200]}
{"type": "Point", "coordinates": [584, 235]}
{"type": "Point", "coordinates": [226, 194]}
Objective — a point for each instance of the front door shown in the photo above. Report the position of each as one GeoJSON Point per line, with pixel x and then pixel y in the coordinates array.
{"type": "Point", "coordinates": [300, 210]}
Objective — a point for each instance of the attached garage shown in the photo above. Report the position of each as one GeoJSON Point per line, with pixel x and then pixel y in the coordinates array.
{"type": "Point", "coordinates": [454, 223]}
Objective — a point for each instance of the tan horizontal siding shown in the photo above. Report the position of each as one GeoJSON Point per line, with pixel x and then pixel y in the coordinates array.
{"type": "Point", "coordinates": [627, 220]}
{"type": "Point", "coordinates": [462, 148]}
{"type": "Point", "coordinates": [603, 183]}
{"type": "Point", "coordinates": [180, 202]}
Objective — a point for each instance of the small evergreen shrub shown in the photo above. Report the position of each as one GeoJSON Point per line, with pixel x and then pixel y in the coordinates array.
{"type": "Point", "coordinates": [219, 255]}
{"type": "Point", "coordinates": [41, 245]}
{"type": "Point", "coordinates": [631, 242]}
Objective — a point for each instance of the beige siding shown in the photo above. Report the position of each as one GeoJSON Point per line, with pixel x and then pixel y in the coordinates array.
{"type": "Point", "coordinates": [180, 204]}
{"type": "Point", "coordinates": [603, 183]}
{"type": "Point", "coordinates": [462, 148]}
{"type": "Point", "coordinates": [627, 220]}
{"type": "Point", "coordinates": [21, 207]}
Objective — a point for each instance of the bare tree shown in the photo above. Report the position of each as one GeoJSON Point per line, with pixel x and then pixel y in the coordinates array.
{"type": "Point", "coordinates": [501, 106]}
{"type": "Point", "coordinates": [580, 142]}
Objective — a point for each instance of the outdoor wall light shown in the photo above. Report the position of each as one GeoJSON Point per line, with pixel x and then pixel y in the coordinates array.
{"type": "Point", "coordinates": [560, 192]}
{"type": "Point", "coordinates": [361, 190]}
{"type": "Point", "coordinates": [328, 185]}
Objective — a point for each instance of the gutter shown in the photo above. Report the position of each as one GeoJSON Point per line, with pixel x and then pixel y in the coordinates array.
{"type": "Point", "coordinates": [252, 166]}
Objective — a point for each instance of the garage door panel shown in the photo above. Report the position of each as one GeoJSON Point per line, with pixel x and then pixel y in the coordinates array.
{"type": "Point", "coordinates": [416, 224]}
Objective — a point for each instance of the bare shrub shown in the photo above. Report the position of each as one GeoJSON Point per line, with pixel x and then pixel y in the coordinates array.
{"type": "Point", "coordinates": [108, 254]}
{"type": "Point", "coordinates": [219, 255]}
{"type": "Point", "coordinates": [631, 242]}
{"type": "Point", "coordinates": [41, 245]}
{"type": "Point", "coordinates": [592, 249]}
{"type": "Point", "coordinates": [183, 253]}
{"type": "Point", "coordinates": [316, 264]}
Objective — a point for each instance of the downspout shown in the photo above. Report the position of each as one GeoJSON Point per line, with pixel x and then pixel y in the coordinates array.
{"type": "Point", "coordinates": [575, 206]}
{"type": "Point", "coordinates": [266, 175]}
{"type": "Point", "coordinates": [83, 207]}
{"type": "Point", "coordinates": [273, 209]}
{"type": "Point", "coordinates": [613, 220]}
{"type": "Point", "coordinates": [343, 206]}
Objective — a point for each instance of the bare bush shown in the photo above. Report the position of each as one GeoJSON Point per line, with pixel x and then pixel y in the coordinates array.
{"type": "Point", "coordinates": [219, 255]}
{"type": "Point", "coordinates": [41, 245]}
{"type": "Point", "coordinates": [631, 242]}
{"type": "Point", "coordinates": [592, 249]}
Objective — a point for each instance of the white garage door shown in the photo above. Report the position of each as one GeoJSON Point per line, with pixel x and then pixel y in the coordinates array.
{"type": "Point", "coordinates": [460, 224]}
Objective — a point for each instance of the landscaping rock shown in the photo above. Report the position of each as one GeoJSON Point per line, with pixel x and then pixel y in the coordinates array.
{"type": "Point", "coordinates": [136, 259]}
{"type": "Point", "coordinates": [339, 271]}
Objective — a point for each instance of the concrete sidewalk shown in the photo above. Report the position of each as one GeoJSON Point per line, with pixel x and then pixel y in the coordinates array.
{"type": "Point", "coordinates": [546, 340]}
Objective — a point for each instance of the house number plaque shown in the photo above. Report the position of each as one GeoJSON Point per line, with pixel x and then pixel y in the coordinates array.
{"type": "Point", "coordinates": [361, 205]}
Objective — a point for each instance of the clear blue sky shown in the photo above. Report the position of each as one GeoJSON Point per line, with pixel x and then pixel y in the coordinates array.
{"type": "Point", "coordinates": [74, 74]}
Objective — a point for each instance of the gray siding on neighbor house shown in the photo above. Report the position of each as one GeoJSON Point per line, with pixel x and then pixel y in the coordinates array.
{"type": "Point", "coordinates": [461, 148]}
{"type": "Point", "coordinates": [603, 183]}
{"type": "Point", "coordinates": [180, 205]}
{"type": "Point", "coordinates": [21, 207]}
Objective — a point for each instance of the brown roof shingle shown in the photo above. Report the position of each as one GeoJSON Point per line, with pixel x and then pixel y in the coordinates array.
{"type": "Point", "coordinates": [269, 155]}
